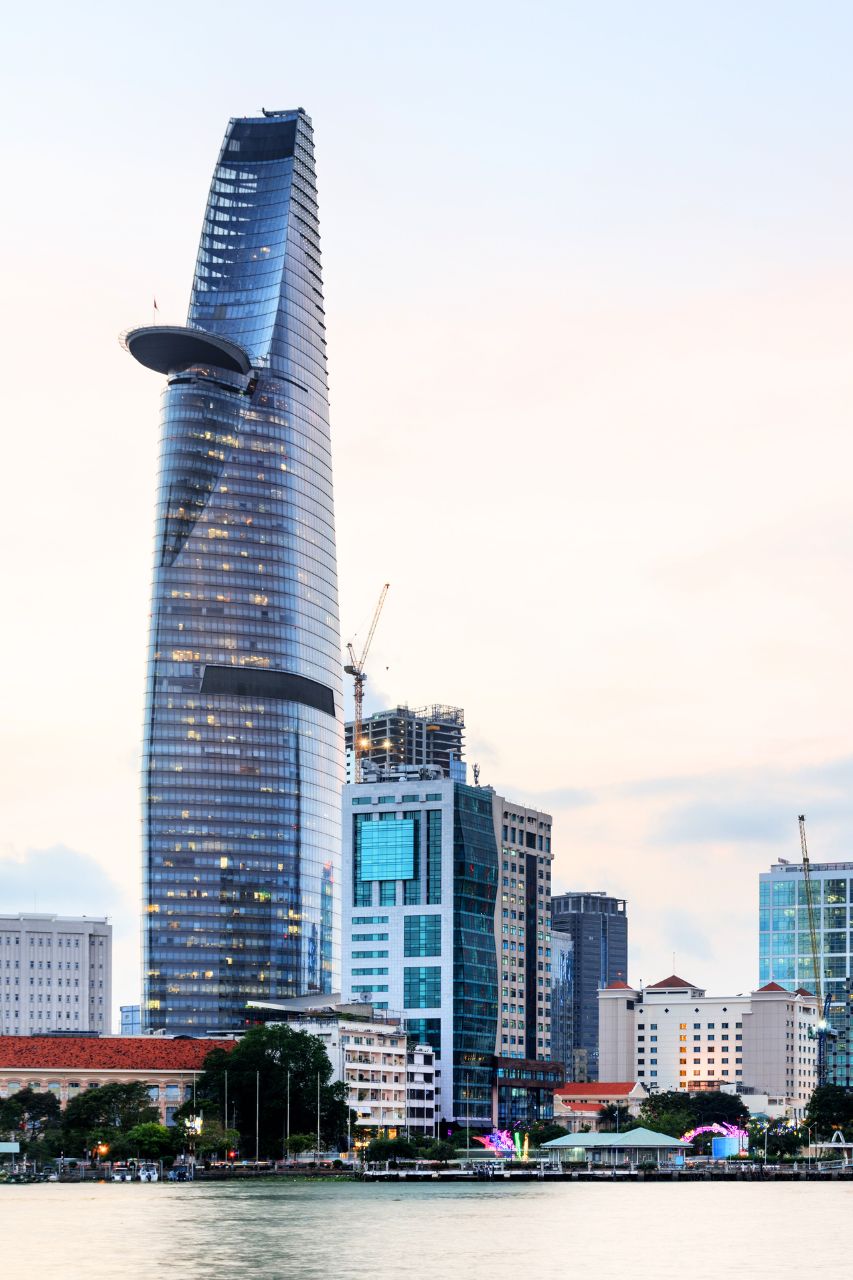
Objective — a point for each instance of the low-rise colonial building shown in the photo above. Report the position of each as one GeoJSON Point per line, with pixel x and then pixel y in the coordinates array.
{"type": "Point", "coordinates": [68, 1065]}
{"type": "Point", "coordinates": [578, 1106]}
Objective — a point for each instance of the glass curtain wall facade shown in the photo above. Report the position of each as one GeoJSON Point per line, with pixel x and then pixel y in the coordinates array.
{"type": "Point", "coordinates": [785, 950]}
{"type": "Point", "coordinates": [598, 927]}
{"type": "Point", "coordinates": [243, 746]}
{"type": "Point", "coordinates": [475, 968]}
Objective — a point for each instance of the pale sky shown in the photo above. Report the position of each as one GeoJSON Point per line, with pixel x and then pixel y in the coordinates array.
{"type": "Point", "coordinates": [589, 290]}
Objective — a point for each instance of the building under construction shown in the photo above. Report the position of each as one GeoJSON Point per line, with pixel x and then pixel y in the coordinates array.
{"type": "Point", "coordinates": [428, 738]}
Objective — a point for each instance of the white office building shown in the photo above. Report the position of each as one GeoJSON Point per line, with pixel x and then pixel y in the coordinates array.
{"type": "Point", "coordinates": [56, 974]}
{"type": "Point", "coordinates": [446, 894]}
{"type": "Point", "coordinates": [367, 1049]}
{"type": "Point", "coordinates": [671, 1035]}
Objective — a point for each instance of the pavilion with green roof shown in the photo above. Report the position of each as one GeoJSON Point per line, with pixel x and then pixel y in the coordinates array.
{"type": "Point", "coordinates": [632, 1146]}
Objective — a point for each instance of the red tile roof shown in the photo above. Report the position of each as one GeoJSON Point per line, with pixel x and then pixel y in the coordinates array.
{"type": "Point", "coordinates": [618, 985]}
{"type": "Point", "coordinates": [597, 1088]}
{"type": "Point", "coordinates": [774, 986]}
{"type": "Point", "coordinates": [113, 1053]}
{"type": "Point", "coordinates": [803, 991]}
{"type": "Point", "coordinates": [672, 981]}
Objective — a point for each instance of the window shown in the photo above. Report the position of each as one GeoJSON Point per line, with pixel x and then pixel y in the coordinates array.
{"type": "Point", "coordinates": [387, 850]}
{"type": "Point", "coordinates": [422, 986]}
{"type": "Point", "coordinates": [422, 935]}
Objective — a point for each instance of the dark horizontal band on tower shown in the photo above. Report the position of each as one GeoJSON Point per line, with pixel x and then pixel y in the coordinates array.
{"type": "Point", "coordinates": [283, 685]}
{"type": "Point", "coordinates": [167, 348]}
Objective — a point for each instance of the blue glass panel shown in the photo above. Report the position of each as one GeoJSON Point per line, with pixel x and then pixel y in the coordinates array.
{"type": "Point", "coordinates": [388, 850]}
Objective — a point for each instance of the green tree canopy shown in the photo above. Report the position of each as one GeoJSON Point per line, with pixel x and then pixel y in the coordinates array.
{"type": "Point", "coordinates": [28, 1114]}
{"type": "Point", "coordinates": [155, 1141]}
{"type": "Point", "coordinates": [675, 1111]}
{"type": "Point", "coordinates": [830, 1108]}
{"type": "Point", "coordinates": [258, 1068]}
{"type": "Point", "coordinates": [392, 1149]}
{"type": "Point", "coordinates": [615, 1118]}
{"type": "Point", "coordinates": [105, 1114]}
{"type": "Point", "coordinates": [441, 1151]}
{"type": "Point", "coordinates": [544, 1131]}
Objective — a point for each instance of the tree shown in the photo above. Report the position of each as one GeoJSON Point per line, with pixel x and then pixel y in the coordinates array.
{"type": "Point", "coordinates": [615, 1118]}
{"type": "Point", "coordinates": [393, 1149]}
{"type": "Point", "coordinates": [105, 1114]}
{"type": "Point", "coordinates": [542, 1131]}
{"type": "Point", "coordinates": [299, 1142]}
{"type": "Point", "coordinates": [214, 1138]}
{"type": "Point", "coordinates": [830, 1108]}
{"type": "Point", "coordinates": [149, 1139]}
{"type": "Point", "coordinates": [28, 1114]}
{"type": "Point", "coordinates": [258, 1068]}
{"type": "Point", "coordinates": [778, 1137]}
{"type": "Point", "coordinates": [715, 1107]}
{"type": "Point", "coordinates": [668, 1112]}
{"type": "Point", "coordinates": [441, 1151]}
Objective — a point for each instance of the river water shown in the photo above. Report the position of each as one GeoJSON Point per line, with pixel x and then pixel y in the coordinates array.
{"type": "Point", "coordinates": [698, 1231]}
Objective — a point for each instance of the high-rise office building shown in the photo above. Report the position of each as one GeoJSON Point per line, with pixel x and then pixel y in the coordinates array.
{"type": "Point", "coordinates": [58, 974]}
{"type": "Point", "coordinates": [785, 949]}
{"type": "Point", "coordinates": [598, 927]}
{"type": "Point", "coordinates": [243, 748]}
{"type": "Point", "coordinates": [562, 1001]}
{"type": "Point", "coordinates": [446, 923]}
{"type": "Point", "coordinates": [414, 739]}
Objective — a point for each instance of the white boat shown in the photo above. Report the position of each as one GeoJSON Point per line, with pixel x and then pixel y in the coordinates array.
{"type": "Point", "coordinates": [122, 1173]}
{"type": "Point", "coordinates": [148, 1173]}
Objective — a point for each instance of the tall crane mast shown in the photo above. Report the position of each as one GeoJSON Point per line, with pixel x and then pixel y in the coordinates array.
{"type": "Point", "coordinates": [823, 1027]}
{"type": "Point", "coordinates": [355, 668]}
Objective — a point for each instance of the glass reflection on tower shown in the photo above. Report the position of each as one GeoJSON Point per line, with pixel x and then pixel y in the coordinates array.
{"type": "Point", "coordinates": [243, 747]}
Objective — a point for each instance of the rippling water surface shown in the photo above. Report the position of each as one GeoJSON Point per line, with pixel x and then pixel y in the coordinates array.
{"type": "Point", "coordinates": [343, 1230]}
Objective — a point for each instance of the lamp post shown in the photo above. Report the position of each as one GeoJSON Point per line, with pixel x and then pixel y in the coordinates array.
{"type": "Point", "coordinates": [318, 1116]}
{"type": "Point", "coordinates": [287, 1121]}
{"type": "Point", "coordinates": [257, 1113]}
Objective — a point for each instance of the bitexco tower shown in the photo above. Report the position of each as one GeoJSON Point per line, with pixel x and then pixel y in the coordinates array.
{"type": "Point", "coordinates": [243, 748]}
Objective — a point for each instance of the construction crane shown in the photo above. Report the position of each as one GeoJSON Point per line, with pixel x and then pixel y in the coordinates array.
{"type": "Point", "coordinates": [355, 668]}
{"type": "Point", "coordinates": [824, 1031]}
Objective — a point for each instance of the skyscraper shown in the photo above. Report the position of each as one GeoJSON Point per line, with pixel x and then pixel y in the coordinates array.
{"type": "Point", "coordinates": [785, 949]}
{"type": "Point", "coordinates": [446, 896]}
{"type": "Point", "coordinates": [243, 747]}
{"type": "Point", "coordinates": [598, 927]}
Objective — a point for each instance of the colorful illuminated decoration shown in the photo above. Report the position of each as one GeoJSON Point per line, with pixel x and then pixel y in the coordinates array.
{"type": "Point", "coordinates": [503, 1143]}
{"type": "Point", "coordinates": [725, 1130]}
{"type": "Point", "coordinates": [499, 1141]}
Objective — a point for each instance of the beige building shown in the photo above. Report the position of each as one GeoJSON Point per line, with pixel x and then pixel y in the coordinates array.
{"type": "Point", "coordinates": [68, 1065]}
{"type": "Point", "coordinates": [671, 1035]}
{"type": "Point", "coordinates": [367, 1050]}
{"type": "Point", "coordinates": [578, 1105]}
{"type": "Point", "coordinates": [55, 974]}
{"type": "Point", "coordinates": [523, 930]}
